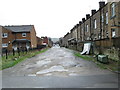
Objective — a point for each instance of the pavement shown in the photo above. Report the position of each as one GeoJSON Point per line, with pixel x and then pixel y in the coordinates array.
{"type": "Point", "coordinates": [58, 68]}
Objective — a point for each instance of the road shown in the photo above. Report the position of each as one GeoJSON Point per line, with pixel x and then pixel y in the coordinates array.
{"type": "Point", "coordinates": [58, 68]}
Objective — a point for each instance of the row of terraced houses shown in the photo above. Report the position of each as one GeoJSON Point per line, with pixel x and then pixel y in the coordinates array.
{"type": "Point", "coordinates": [101, 28]}
{"type": "Point", "coordinates": [21, 36]}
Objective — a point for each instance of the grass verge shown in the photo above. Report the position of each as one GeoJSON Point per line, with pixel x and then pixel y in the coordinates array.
{"type": "Point", "coordinates": [112, 65]}
{"type": "Point", "coordinates": [13, 60]}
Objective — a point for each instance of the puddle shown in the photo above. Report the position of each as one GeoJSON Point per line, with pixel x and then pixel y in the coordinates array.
{"type": "Point", "coordinates": [49, 74]}
{"type": "Point", "coordinates": [68, 63]}
{"type": "Point", "coordinates": [79, 65]}
{"type": "Point", "coordinates": [43, 62]}
{"type": "Point", "coordinates": [31, 74]}
{"type": "Point", "coordinates": [52, 69]}
{"type": "Point", "coordinates": [30, 67]}
{"type": "Point", "coordinates": [73, 74]}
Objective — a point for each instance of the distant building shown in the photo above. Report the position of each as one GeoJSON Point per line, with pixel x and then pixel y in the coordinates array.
{"type": "Point", "coordinates": [47, 41]}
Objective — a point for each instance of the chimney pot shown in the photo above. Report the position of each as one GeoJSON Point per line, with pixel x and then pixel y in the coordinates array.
{"type": "Point", "coordinates": [77, 25]}
{"type": "Point", "coordinates": [101, 4]}
{"type": "Point", "coordinates": [93, 11]}
{"type": "Point", "coordinates": [83, 20]}
{"type": "Point", "coordinates": [80, 22]}
{"type": "Point", "coordinates": [87, 16]}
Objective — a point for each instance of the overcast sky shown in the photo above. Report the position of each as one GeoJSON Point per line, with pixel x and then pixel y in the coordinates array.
{"type": "Point", "coordinates": [52, 18]}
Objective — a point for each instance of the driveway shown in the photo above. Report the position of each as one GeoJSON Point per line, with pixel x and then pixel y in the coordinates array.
{"type": "Point", "coordinates": [58, 68]}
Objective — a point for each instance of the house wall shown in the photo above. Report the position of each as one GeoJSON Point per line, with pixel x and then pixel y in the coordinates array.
{"type": "Point", "coordinates": [114, 21]}
{"type": "Point", "coordinates": [19, 35]}
{"type": "Point", "coordinates": [67, 37]}
{"type": "Point", "coordinates": [82, 31]}
{"type": "Point", "coordinates": [7, 40]}
{"type": "Point", "coordinates": [87, 33]}
{"type": "Point", "coordinates": [45, 40]}
{"type": "Point", "coordinates": [104, 26]}
{"type": "Point", "coordinates": [33, 38]}
{"type": "Point", "coordinates": [95, 31]}
{"type": "Point", "coordinates": [79, 32]}
{"type": "Point", "coordinates": [39, 41]}
{"type": "Point", "coordinates": [0, 40]}
{"type": "Point", "coordinates": [75, 33]}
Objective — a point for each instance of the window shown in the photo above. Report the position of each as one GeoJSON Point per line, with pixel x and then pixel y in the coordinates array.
{"type": "Point", "coordinates": [4, 35]}
{"type": "Point", "coordinates": [113, 10]}
{"type": "Point", "coordinates": [23, 34]}
{"type": "Point", "coordinates": [95, 24]}
{"type": "Point", "coordinates": [113, 33]}
{"type": "Point", "coordinates": [99, 36]}
{"type": "Point", "coordinates": [106, 17]}
{"type": "Point", "coordinates": [87, 28]}
{"type": "Point", "coordinates": [5, 45]}
{"type": "Point", "coordinates": [107, 35]}
{"type": "Point", "coordinates": [102, 18]}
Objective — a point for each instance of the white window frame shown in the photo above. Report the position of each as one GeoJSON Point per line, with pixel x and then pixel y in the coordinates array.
{"type": "Point", "coordinates": [24, 34]}
{"type": "Point", "coordinates": [95, 23]}
{"type": "Point", "coordinates": [87, 28]}
{"type": "Point", "coordinates": [113, 33]}
{"type": "Point", "coordinates": [4, 35]}
{"type": "Point", "coordinates": [102, 18]}
{"type": "Point", "coordinates": [106, 17]}
{"type": "Point", "coordinates": [113, 9]}
{"type": "Point", "coordinates": [5, 45]}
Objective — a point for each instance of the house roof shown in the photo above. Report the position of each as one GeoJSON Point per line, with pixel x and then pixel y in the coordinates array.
{"type": "Point", "coordinates": [20, 28]}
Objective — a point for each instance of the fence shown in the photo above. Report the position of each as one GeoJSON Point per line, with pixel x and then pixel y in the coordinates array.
{"type": "Point", "coordinates": [20, 51]}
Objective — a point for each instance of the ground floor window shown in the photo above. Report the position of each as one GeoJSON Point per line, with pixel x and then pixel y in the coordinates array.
{"type": "Point", "coordinates": [113, 33]}
{"type": "Point", "coordinates": [4, 45]}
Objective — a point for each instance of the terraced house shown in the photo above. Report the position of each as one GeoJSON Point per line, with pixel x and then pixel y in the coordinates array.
{"type": "Point", "coordinates": [101, 28]}
{"type": "Point", "coordinates": [21, 36]}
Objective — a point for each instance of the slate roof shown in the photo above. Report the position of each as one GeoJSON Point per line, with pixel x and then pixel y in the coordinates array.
{"type": "Point", "coordinates": [20, 28]}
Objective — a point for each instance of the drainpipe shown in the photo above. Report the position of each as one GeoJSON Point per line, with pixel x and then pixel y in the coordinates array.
{"type": "Point", "coordinates": [100, 51]}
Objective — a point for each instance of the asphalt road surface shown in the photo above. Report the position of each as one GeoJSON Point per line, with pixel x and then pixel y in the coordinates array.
{"type": "Point", "coordinates": [58, 68]}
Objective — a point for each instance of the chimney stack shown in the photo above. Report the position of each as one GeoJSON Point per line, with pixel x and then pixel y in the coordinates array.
{"type": "Point", "coordinates": [101, 4]}
{"type": "Point", "coordinates": [80, 22]}
{"type": "Point", "coordinates": [87, 16]}
{"type": "Point", "coordinates": [77, 25]}
{"type": "Point", "coordinates": [83, 20]}
{"type": "Point", "coordinates": [93, 11]}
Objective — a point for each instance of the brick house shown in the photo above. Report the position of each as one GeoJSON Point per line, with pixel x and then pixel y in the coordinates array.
{"type": "Point", "coordinates": [39, 41]}
{"type": "Point", "coordinates": [19, 37]}
{"type": "Point", "coordinates": [47, 41]}
{"type": "Point", "coordinates": [6, 38]}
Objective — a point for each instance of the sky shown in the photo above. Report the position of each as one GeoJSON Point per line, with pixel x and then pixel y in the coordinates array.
{"type": "Point", "coordinates": [52, 18]}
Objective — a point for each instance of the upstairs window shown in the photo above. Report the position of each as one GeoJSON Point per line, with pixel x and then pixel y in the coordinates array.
{"type": "Point", "coordinates": [102, 18]}
{"type": "Point", "coordinates": [4, 35]}
{"type": "Point", "coordinates": [95, 24]}
{"type": "Point", "coordinates": [106, 17]}
{"type": "Point", "coordinates": [113, 10]}
{"type": "Point", "coordinates": [23, 34]}
{"type": "Point", "coordinates": [87, 28]}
